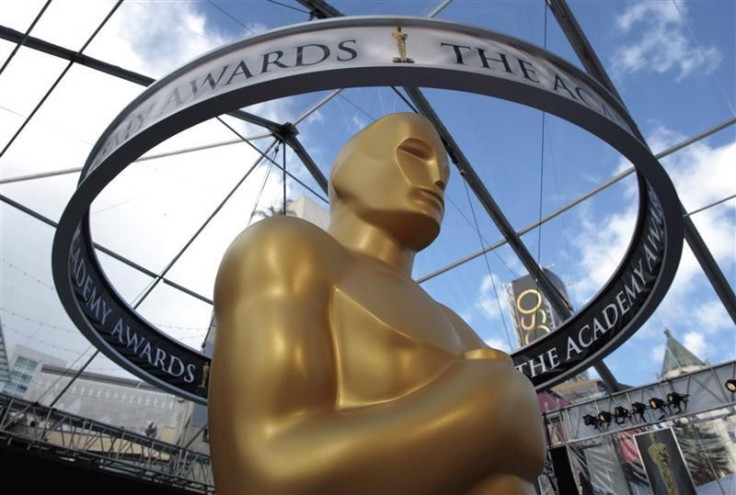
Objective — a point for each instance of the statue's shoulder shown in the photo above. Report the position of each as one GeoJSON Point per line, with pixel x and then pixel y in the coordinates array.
{"type": "Point", "coordinates": [279, 248]}
{"type": "Point", "coordinates": [281, 230]}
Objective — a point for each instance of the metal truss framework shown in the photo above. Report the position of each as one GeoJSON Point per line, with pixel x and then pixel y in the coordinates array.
{"type": "Point", "coordinates": [33, 427]}
{"type": "Point", "coordinates": [287, 132]}
{"type": "Point", "coordinates": [705, 390]}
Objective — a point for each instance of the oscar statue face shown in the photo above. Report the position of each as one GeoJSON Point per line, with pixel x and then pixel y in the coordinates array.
{"type": "Point", "coordinates": [393, 176]}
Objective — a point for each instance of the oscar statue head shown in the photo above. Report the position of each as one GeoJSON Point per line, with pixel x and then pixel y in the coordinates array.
{"type": "Point", "coordinates": [392, 175]}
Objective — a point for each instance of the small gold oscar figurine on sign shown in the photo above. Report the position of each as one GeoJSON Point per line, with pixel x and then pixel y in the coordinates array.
{"type": "Point", "coordinates": [335, 373]}
{"type": "Point", "coordinates": [400, 37]}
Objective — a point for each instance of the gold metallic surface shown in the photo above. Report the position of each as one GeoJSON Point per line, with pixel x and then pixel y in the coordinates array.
{"type": "Point", "coordinates": [335, 373]}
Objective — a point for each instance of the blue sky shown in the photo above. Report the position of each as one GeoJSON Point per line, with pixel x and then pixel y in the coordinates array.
{"type": "Point", "coordinates": [673, 64]}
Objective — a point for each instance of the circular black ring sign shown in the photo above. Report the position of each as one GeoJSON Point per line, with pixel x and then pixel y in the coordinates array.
{"type": "Point", "coordinates": [354, 52]}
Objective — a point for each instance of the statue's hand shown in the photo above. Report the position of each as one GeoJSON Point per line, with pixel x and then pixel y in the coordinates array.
{"type": "Point", "coordinates": [488, 353]}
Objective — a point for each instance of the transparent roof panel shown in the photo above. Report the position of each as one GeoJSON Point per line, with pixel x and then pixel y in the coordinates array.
{"type": "Point", "coordinates": [165, 200]}
{"type": "Point", "coordinates": [249, 203]}
{"type": "Point", "coordinates": [20, 19]}
{"type": "Point", "coordinates": [66, 146]}
{"type": "Point", "coordinates": [24, 82]}
{"type": "Point", "coordinates": [88, 15]}
{"type": "Point", "coordinates": [673, 64]}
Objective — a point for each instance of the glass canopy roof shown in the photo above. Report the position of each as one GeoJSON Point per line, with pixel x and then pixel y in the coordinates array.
{"type": "Point", "coordinates": [672, 62]}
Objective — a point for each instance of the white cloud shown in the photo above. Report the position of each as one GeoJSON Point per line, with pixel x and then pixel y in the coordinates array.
{"type": "Point", "coordinates": [490, 305]}
{"type": "Point", "coordinates": [695, 342]}
{"type": "Point", "coordinates": [657, 353]}
{"type": "Point", "coordinates": [663, 43]}
{"type": "Point", "coordinates": [702, 174]}
{"type": "Point", "coordinates": [357, 122]}
{"type": "Point", "coordinates": [602, 244]}
{"type": "Point", "coordinates": [711, 317]}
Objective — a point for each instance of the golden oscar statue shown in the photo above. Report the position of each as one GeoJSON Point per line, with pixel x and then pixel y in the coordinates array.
{"type": "Point", "coordinates": [335, 373]}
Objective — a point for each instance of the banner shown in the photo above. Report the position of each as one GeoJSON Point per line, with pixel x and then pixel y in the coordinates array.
{"type": "Point", "coordinates": [532, 315]}
{"type": "Point", "coordinates": [664, 464]}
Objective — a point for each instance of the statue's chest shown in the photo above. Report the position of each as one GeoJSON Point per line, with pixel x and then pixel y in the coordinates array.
{"type": "Point", "coordinates": [390, 337]}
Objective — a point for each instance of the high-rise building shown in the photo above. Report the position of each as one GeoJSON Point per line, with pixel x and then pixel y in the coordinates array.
{"type": "Point", "coordinates": [26, 364]}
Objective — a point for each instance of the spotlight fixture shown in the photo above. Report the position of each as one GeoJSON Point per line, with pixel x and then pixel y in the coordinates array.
{"type": "Point", "coordinates": [639, 408]}
{"type": "Point", "coordinates": [657, 404]}
{"type": "Point", "coordinates": [604, 418]}
{"type": "Point", "coordinates": [621, 414]}
{"type": "Point", "coordinates": [589, 420]}
{"type": "Point", "coordinates": [731, 385]}
{"type": "Point", "coordinates": [675, 400]}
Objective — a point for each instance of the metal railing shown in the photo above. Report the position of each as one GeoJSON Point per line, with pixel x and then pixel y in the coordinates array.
{"type": "Point", "coordinates": [34, 427]}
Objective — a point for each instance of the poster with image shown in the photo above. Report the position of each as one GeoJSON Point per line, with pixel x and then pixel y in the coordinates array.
{"type": "Point", "coordinates": [663, 462]}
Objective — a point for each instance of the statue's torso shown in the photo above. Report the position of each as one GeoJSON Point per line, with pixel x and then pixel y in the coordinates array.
{"type": "Point", "coordinates": [389, 336]}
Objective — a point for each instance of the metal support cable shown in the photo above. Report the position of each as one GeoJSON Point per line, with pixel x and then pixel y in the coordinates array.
{"type": "Point", "coordinates": [579, 199]}
{"type": "Point", "coordinates": [555, 298]}
{"type": "Point", "coordinates": [595, 68]}
{"type": "Point", "coordinates": [230, 16]}
{"type": "Point", "coordinates": [317, 106]}
{"type": "Point", "coordinates": [25, 36]}
{"type": "Point", "coordinates": [283, 162]}
{"type": "Point", "coordinates": [488, 265]}
{"type": "Point", "coordinates": [704, 57]}
{"type": "Point", "coordinates": [105, 250]}
{"type": "Point", "coordinates": [716, 203]}
{"type": "Point", "coordinates": [141, 297]}
{"type": "Point", "coordinates": [58, 79]}
{"type": "Point", "coordinates": [439, 8]}
{"type": "Point", "coordinates": [300, 151]}
{"type": "Point", "coordinates": [541, 164]}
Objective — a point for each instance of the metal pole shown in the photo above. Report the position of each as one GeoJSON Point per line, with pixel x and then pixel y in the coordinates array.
{"type": "Point", "coordinates": [25, 36]}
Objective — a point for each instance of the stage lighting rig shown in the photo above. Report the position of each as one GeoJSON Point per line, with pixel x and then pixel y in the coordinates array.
{"type": "Point", "coordinates": [604, 418]}
{"type": "Point", "coordinates": [620, 415]}
{"type": "Point", "coordinates": [640, 409]}
{"type": "Point", "coordinates": [731, 385]}
{"type": "Point", "coordinates": [657, 404]}
{"type": "Point", "coordinates": [675, 400]}
{"type": "Point", "coordinates": [590, 420]}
